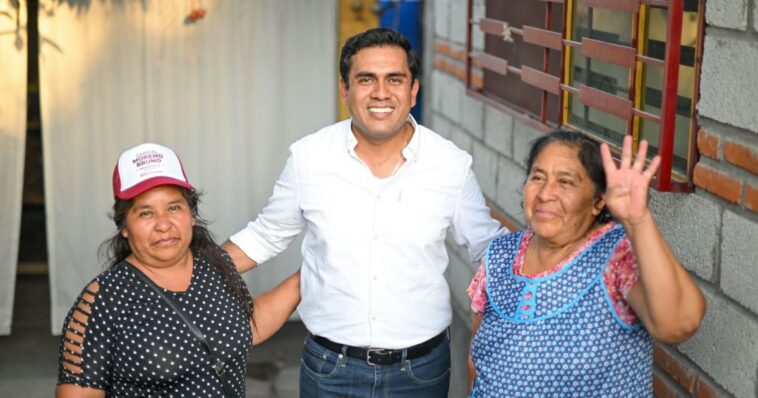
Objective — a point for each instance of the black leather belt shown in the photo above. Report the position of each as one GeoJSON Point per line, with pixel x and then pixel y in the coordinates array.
{"type": "Point", "coordinates": [381, 356]}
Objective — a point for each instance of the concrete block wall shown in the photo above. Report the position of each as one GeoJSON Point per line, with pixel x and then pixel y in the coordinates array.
{"type": "Point", "coordinates": [713, 230]}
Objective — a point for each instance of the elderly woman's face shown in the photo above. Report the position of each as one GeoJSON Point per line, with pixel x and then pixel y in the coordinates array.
{"type": "Point", "coordinates": [159, 226]}
{"type": "Point", "coordinates": [559, 202]}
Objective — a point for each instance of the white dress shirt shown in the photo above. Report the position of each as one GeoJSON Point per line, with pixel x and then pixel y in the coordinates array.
{"type": "Point", "coordinates": [374, 248]}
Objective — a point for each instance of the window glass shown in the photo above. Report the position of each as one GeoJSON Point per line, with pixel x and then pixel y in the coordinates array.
{"type": "Point", "coordinates": [610, 78]}
{"type": "Point", "coordinates": [597, 23]}
{"type": "Point", "coordinates": [609, 26]}
{"type": "Point", "coordinates": [510, 88]}
{"type": "Point", "coordinates": [642, 83]}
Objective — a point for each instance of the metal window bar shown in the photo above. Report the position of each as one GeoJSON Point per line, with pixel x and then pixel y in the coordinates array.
{"type": "Point", "coordinates": [550, 39]}
{"type": "Point", "coordinates": [607, 52]}
{"type": "Point", "coordinates": [551, 84]}
{"type": "Point", "coordinates": [499, 65]}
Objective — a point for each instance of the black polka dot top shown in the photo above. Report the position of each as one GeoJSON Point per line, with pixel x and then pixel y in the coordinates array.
{"type": "Point", "coordinates": [122, 338]}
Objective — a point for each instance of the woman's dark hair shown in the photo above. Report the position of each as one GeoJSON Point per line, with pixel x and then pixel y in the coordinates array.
{"type": "Point", "coordinates": [588, 152]}
{"type": "Point", "coordinates": [375, 38]}
{"type": "Point", "coordinates": [116, 249]}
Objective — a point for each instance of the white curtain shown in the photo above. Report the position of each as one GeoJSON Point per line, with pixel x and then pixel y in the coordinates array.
{"type": "Point", "coordinates": [13, 53]}
{"type": "Point", "coordinates": [229, 93]}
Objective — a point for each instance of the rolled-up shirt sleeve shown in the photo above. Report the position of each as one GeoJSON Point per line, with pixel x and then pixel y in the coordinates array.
{"type": "Point", "coordinates": [279, 222]}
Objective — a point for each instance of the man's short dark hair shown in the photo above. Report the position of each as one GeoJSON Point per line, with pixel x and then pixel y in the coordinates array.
{"type": "Point", "coordinates": [374, 38]}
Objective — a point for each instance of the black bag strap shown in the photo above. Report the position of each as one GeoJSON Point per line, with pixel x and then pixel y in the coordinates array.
{"type": "Point", "coordinates": [218, 365]}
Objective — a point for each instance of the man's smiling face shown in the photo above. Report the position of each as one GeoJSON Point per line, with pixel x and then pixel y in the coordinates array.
{"type": "Point", "coordinates": [380, 92]}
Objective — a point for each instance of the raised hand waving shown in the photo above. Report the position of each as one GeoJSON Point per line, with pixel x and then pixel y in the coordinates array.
{"type": "Point", "coordinates": [627, 185]}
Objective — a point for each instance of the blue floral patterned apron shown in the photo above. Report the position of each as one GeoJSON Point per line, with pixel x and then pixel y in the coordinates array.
{"type": "Point", "coordinates": [557, 335]}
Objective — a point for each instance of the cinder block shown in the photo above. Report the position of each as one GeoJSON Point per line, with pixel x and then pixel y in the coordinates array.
{"type": "Point", "coordinates": [485, 168]}
{"type": "Point", "coordinates": [441, 125]}
{"type": "Point", "coordinates": [459, 341]}
{"type": "Point", "coordinates": [473, 116]}
{"type": "Point", "coordinates": [458, 256]}
{"type": "Point", "coordinates": [510, 181]}
{"type": "Point", "coordinates": [728, 81]}
{"type": "Point", "coordinates": [436, 88]}
{"type": "Point", "coordinates": [458, 23]}
{"type": "Point", "coordinates": [739, 253]}
{"type": "Point", "coordinates": [460, 336]}
{"type": "Point", "coordinates": [452, 98]}
{"type": "Point", "coordinates": [461, 138]}
{"type": "Point", "coordinates": [459, 252]}
{"type": "Point", "coordinates": [441, 18]}
{"type": "Point", "coordinates": [725, 347]}
{"type": "Point", "coordinates": [690, 224]}
{"type": "Point", "coordinates": [498, 130]}
{"type": "Point", "coordinates": [730, 14]}
{"type": "Point", "coordinates": [523, 136]}
{"type": "Point", "coordinates": [460, 273]}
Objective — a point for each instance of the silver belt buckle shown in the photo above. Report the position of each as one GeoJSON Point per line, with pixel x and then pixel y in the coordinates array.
{"type": "Point", "coordinates": [368, 354]}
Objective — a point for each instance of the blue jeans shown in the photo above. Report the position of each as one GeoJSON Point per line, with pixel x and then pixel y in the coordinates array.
{"type": "Point", "coordinates": [325, 373]}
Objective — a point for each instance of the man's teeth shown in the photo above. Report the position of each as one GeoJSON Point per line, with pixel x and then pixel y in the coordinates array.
{"type": "Point", "coordinates": [380, 110]}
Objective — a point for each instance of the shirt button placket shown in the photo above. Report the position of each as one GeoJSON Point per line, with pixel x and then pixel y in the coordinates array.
{"type": "Point", "coordinates": [373, 262]}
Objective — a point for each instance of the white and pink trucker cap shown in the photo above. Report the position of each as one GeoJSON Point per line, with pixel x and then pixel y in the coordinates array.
{"type": "Point", "coordinates": [144, 167]}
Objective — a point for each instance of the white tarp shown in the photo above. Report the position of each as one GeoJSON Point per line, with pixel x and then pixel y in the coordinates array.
{"type": "Point", "coordinates": [13, 60]}
{"type": "Point", "coordinates": [229, 93]}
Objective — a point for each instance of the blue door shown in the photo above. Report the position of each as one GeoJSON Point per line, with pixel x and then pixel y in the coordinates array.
{"type": "Point", "coordinates": [404, 16]}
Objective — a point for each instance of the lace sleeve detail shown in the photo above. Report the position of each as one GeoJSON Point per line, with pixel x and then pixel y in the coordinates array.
{"type": "Point", "coordinates": [624, 265]}
{"type": "Point", "coordinates": [80, 361]}
{"type": "Point", "coordinates": [477, 291]}
{"type": "Point", "coordinates": [620, 277]}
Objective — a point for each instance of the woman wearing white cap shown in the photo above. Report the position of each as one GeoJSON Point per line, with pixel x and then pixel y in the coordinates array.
{"type": "Point", "coordinates": [171, 315]}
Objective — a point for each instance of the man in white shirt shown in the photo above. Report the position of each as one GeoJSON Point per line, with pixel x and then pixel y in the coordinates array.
{"type": "Point", "coordinates": [376, 196]}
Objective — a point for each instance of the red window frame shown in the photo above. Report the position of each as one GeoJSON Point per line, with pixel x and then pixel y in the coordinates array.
{"type": "Point", "coordinates": [626, 56]}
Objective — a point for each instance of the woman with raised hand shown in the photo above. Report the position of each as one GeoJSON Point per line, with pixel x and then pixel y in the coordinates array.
{"type": "Point", "coordinates": [570, 306]}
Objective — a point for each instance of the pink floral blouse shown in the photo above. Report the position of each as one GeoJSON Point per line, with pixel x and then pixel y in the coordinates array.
{"type": "Point", "coordinates": [620, 276]}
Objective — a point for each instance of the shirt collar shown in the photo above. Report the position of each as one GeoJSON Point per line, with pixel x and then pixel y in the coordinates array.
{"type": "Point", "coordinates": [410, 151]}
